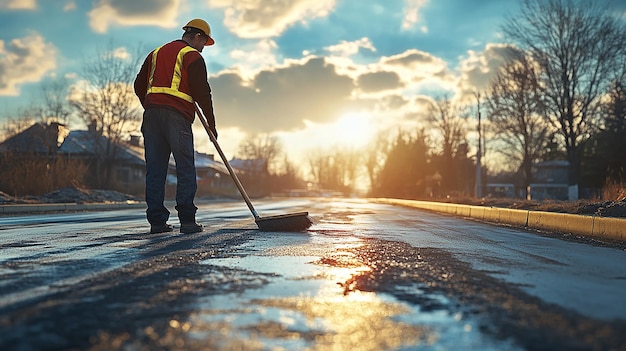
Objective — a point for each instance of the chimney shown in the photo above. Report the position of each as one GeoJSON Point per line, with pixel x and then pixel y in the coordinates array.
{"type": "Point", "coordinates": [93, 126]}
{"type": "Point", "coordinates": [134, 140]}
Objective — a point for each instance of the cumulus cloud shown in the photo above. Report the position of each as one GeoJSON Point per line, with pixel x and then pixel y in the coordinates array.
{"type": "Point", "coordinates": [411, 13]}
{"type": "Point", "coordinates": [24, 60]}
{"type": "Point", "coordinates": [282, 98]}
{"type": "Point", "coordinates": [349, 48]}
{"type": "Point", "coordinates": [121, 53]}
{"type": "Point", "coordinates": [379, 81]}
{"type": "Point", "coordinates": [416, 60]}
{"type": "Point", "coordinates": [315, 90]}
{"type": "Point", "coordinates": [18, 4]}
{"type": "Point", "coordinates": [161, 13]}
{"type": "Point", "coordinates": [269, 18]}
{"type": "Point", "coordinates": [477, 70]}
{"type": "Point", "coordinates": [417, 68]}
{"type": "Point", "coordinates": [250, 60]}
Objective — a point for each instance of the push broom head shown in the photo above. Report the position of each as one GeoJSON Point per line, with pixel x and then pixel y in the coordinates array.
{"type": "Point", "coordinates": [293, 222]}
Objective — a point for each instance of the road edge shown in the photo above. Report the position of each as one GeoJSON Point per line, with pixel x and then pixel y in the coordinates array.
{"type": "Point", "coordinates": [601, 228]}
{"type": "Point", "coordinates": [67, 207]}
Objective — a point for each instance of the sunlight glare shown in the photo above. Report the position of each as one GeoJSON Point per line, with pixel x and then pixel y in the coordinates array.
{"type": "Point", "coordinates": [354, 129]}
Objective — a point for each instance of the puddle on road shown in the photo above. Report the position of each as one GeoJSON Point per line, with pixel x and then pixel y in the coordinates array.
{"type": "Point", "coordinates": [308, 303]}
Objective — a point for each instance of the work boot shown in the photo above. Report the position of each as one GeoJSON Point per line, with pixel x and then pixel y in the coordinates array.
{"type": "Point", "coordinates": [192, 227]}
{"type": "Point", "coordinates": [161, 228]}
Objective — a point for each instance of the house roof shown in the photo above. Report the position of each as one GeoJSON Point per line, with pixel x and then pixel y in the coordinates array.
{"type": "Point", "coordinates": [202, 160]}
{"type": "Point", "coordinates": [250, 165]}
{"type": "Point", "coordinates": [39, 138]}
{"type": "Point", "coordinates": [81, 142]}
{"type": "Point", "coordinates": [84, 143]}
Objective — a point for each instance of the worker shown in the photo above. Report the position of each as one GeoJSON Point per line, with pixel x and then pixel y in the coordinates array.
{"type": "Point", "coordinates": [171, 80]}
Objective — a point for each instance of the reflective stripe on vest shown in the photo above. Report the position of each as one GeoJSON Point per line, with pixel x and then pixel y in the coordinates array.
{"type": "Point", "coordinates": [174, 88]}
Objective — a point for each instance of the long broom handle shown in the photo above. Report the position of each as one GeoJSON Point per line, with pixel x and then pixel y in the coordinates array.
{"type": "Point", "coordinates": [230, 169]}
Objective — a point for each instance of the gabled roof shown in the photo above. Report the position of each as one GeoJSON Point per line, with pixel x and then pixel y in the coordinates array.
{"type": "Point", "coordinates": [84, 143]}
{"type": "Point", "coordinates": [39, 138]}
{"type": "Point", "coordinates": [202, 160]}
{"type": "Point", "coordinates": [249, 165]}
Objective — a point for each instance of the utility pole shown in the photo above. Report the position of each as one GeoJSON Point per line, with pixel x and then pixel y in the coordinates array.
{"type": "Point", "coordinates": [478, 154]}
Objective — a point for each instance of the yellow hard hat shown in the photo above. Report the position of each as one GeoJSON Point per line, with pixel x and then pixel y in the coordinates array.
{"type": "Point", "coordinates": [203, 26]}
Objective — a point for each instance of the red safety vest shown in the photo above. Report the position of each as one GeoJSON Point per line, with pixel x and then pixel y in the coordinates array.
{"type": "Point", "coordinates": [168, 72]}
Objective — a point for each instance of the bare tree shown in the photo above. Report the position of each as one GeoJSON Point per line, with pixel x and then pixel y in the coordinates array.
{"type": "Point", "coordinates": [406, 167]}
{"type": "Point", "coordinates": [324, 170]}
{"type": "Point", "coordinates": [262, 147]}
{"type": "Point", "coordinates": [286, 177]}
{"type": "Point", "coordinates": [350, 163]}
{"type": "Point", "coordinates": [516, 113]}
{"type": "Point", "coordinates": [107, 104]}
{"type": "Point", "coordinates": [335, 169]}
{"type": "Point", "coordinates": [17, 123]}
{"type": "Point", "coordinates": [260, 155]}
{"type": "Point", "coordinates": [577, 45]}
{"type": "Point", "coordinates": [376, 156]}
{"type": "Point", "coordinates": [448, 119]}
{"type": "Point", "coordinates": [55, 106]}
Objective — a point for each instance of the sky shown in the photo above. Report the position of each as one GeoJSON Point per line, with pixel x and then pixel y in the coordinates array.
{"type": "Point", "coordinates": [318, 74]}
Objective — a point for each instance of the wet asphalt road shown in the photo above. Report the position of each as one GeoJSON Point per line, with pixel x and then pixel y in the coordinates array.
{"type": "Point", "coordinates": [364, 277]}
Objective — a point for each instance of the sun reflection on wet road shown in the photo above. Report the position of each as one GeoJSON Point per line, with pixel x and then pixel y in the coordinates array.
{"type": "Point", "coordinates": [329, 314]}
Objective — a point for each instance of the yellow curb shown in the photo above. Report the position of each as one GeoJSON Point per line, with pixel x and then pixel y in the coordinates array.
{"type": "Point", "coordinates": [609, 228]}
{"type": "Point", "coordinates": [491, 215]}
{"type": "Point", "coordinates": [590, 226]}
{"type": "Point", "coordinates": [463, 210]}
{"type": "Point", "coordinates": [561, 222]}
{"type": "Point", "coordinates": [513, 216]}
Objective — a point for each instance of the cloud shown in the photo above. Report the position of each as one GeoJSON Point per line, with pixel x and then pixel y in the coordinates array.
{"type": "Point", "coordinates": [415, 59]}
{"type": "Point", "coordinates": [283, 98]}
{"type": "Point", "coordinates": [411, 14]}
{"type": "Point", "coordinates": [162, 13]}
{"type": "Point", "coordinates": [250, 60]}
{"type": "Point", "coordinates": [121, 53]}
{"type": "Point", "coordinates": [70, 6]}
{"type": "Point", "coordinates": [349, 48]}
{"type": "Point", "coordinates": [315, 91]}
{"type": "Point", "coordinates": [418, 69]}
{"type": "Point", "coordinates": [269, 18]}
{"type": "Point", "coordinates": [479, 68]}
{"type": "Point", "coordinates": [379, 81]}
{"type": "Point", "coordinates": [24, 60]}
{"type": "Point", "coordinates": [18, 4]}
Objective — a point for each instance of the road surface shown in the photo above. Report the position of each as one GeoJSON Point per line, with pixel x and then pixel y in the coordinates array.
{"type": "Point", "coordinates": [364, 277]}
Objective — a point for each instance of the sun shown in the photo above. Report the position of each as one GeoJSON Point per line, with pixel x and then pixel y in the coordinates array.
{"type": "Point", "coordinates": [354, 129]}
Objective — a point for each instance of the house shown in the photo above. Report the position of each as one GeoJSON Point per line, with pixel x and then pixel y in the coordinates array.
{"type": "Point", "coordinates": [27, 161]}
{"type": "Point", "coordinates": [500, 190]}
{"type": "Point", "coordinates": [212, 177]}
{"type": "Point", "coordinates": [39, 139]}
{"type": "Point", "coordinates": [130, 166]}
{"type": "Point", "coordinates": [127, 173]}
{"type": "Point", "coordinates": [254, 175]}
{"type": "Point", "coordinates": [128, 170]}
{"type": "Point", "coordinates": [550, 181]}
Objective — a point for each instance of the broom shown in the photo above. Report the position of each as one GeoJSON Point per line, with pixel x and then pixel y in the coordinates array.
{"type": "Point", "coordinates": [291, 222]}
